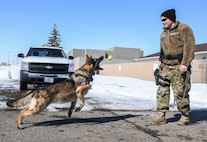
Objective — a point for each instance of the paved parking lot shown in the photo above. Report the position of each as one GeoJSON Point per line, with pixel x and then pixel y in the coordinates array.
{"type": "Point", "coordinates": [101, 126]}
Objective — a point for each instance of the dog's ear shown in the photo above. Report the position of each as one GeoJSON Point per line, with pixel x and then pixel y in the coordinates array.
{"type": "Point", "coordinates": [87, 56]}
{"type": "Point", "coordinates": [87, 59]}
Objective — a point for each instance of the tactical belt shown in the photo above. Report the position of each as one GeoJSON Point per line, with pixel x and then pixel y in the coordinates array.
{"type": "Point", "coordinates": [170, 64]}
{"type": "Point", "coordinates": [173, 57]}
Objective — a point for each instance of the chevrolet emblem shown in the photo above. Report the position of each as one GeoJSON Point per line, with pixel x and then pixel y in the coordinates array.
{"type": "Point", "coordinates": [49, 67]}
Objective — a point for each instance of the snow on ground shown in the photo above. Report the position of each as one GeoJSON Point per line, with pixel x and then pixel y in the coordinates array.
{"type": "Point", "coordinates": [113, 93]}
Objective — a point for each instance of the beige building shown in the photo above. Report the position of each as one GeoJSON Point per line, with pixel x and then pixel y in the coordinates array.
{"type": "Point", "coordinates": [129, 62]}
{"type": "Point", "coordinates": [118, 53]}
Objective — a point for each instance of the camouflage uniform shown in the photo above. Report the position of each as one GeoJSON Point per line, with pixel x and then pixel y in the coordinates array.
{"type": "Point", "coordinates": [177, 48]}
{"type": "Point", "coordinates": [171, 75]}
{"type": "Point", "coordinates": [177, 45]}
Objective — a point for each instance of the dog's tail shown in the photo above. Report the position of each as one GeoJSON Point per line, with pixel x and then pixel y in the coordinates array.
{"type": "Point", "coordinates": [20, 102]}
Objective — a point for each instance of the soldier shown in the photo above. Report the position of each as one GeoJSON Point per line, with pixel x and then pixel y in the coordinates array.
{"type": "Point", "coordinates": [177, 46]}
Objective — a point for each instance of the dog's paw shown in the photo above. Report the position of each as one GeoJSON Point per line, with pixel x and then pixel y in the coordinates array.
{"type": "Point", "coordinates": [19, 126]}
{"type": "Point", "coordinates": [70, 114]}
{"type": "Point", "coordinates": [77, 109]}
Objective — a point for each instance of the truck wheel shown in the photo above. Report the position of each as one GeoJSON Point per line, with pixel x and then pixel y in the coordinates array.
{"type": "Point", "coordinates": [23, 86]}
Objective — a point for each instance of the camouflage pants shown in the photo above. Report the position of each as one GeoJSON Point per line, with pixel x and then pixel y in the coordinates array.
{"type": "Point", "coordinates": [170, 76]}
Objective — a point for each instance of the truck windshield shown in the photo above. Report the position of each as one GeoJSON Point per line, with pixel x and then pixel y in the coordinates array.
{"type": "Point", "coordinates": [46, 52]}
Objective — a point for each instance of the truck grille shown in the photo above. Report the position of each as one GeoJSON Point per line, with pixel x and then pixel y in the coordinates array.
{"type": "Point", "coordinates": [48, 68]}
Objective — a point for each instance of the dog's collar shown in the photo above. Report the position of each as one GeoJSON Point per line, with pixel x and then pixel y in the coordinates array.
{"type": "Point", "coordinates": [79, 80]}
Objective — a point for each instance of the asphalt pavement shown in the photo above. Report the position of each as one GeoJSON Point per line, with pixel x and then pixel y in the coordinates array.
{"type": "Point", "coordinates": [101, 126]}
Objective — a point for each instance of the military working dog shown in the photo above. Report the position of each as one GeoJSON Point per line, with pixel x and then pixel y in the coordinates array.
{"type": "Point", "coordinates": [70, 90]}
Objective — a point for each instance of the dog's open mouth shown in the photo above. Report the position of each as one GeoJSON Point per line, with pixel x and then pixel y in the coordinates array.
{"type": "Point", "coordinates": [97, 63]}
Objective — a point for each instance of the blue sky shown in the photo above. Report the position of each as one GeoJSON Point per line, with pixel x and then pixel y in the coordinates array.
{"type": "Point", "coordinates": [93, 24]}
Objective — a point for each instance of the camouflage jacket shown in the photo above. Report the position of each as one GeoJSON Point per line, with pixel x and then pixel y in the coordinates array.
{"type": "Point", "coordinates": [177, 41]}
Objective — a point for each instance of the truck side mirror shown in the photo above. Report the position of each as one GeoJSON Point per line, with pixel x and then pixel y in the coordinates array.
{"type": "Point", "coordinates": [21, 55]}
{"type": "Point", "coordinates": [70, 57]}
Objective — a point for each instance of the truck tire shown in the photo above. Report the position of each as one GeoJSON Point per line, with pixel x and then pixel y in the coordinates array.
{"type": "Point", "coordinates": [23, 86]}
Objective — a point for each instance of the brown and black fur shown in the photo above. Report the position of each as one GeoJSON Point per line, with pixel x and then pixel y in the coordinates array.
{"type": "Point", "coordinates": [66, 91]}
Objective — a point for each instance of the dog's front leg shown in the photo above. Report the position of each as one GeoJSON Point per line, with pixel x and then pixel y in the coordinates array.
{"type": "Point", "coordinates": [82, 103]}
{"type": "Point", "coordinates": [80, 91]}
{"type": "Point", "coordinates": [72, 107]}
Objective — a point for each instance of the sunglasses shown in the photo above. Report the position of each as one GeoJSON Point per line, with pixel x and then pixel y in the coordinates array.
{"type": "Point", "coordinates": [164, 19]}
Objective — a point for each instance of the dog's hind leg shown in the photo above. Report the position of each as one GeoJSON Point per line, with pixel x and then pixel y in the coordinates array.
{"type": "Point", "coordinates": [21, 116]}
{"type": "Point", "coordinates": [36, 105]}
{"type": "Point", "coordinates": [72, 107]}
{"type": "Point", "coordinates": [27, 112]}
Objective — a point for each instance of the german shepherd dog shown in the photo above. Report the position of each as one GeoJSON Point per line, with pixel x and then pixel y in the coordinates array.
{"type": "Point", "coordinates": [73, 88]}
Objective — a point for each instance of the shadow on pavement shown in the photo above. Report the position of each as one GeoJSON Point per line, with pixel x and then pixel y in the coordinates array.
{"type": "Point", "coordinates": [92, 121]}
{"type": "Point", "coordinates": [198, 115]}
{"type": "Point", "coordinates": [195, 116]}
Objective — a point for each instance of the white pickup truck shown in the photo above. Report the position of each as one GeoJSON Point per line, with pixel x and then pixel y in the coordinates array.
{"type": "Point", "coordinates": [44, 65]}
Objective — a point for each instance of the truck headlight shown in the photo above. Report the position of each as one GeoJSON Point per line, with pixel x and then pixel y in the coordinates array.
{"type": "Point", "coordinates": [24, 66]}
{"type": "Point", "coordinates": [71, 67]}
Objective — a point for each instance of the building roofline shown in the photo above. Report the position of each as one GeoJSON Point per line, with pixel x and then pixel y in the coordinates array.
{"type": "Point", "coordinates": [200, 48]}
